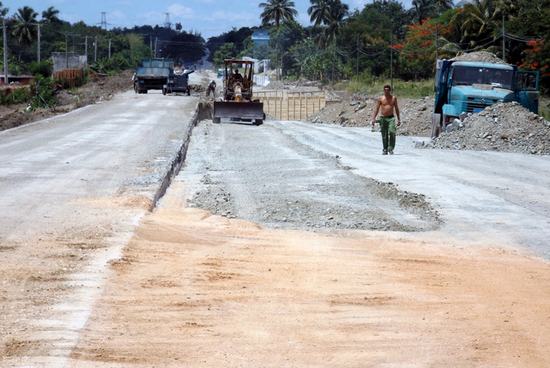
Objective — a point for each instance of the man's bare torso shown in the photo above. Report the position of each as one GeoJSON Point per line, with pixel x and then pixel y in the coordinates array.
{"type": "Point", "coordinates": [387, 105]}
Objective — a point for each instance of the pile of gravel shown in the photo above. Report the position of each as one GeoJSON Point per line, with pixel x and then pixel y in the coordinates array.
{"type": "Point", "coordinates": [357, 112]}
{"type": "Point", "coordinates": [481, 56]}
{"type": "Point", "coordinates": [507, 127]}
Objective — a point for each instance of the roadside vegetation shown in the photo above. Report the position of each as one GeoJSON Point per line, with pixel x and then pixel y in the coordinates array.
{"type": "Point", "coordinates": [385, 39]}
{"type": "Point", "coordinates": [109, 51]}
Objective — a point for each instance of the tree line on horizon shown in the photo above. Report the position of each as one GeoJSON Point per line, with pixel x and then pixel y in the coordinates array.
{"type": "Point", "coordinates": [381, 38]}
{"type": "Point", "coordinates": [384, 37]}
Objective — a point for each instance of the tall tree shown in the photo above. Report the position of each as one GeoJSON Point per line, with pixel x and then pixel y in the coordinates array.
{"type": "Point", "coordinates": [338, 11]}
{"type": "Point", "coordinates": [319, 11]}
{"type": "Point", "coordinates": [430, 8]}
{"type": "Point", "coordinates": [50, 15]}
{"type": "Point", "coordinates": [480, 21]}
{"type": "Point", "coordinates": [3, 10]}
{"type": "Point", "coordinates": [277, 11]}
{"type": "Point", "coordinates": [25, 25]}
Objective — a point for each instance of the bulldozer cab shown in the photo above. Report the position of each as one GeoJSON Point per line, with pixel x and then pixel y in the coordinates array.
{"type": "Point", "coordinates": [237, 103]}
{"type": "Point", "coordinates": [238, 80]}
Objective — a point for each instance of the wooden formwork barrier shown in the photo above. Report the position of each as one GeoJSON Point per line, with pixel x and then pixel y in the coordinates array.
{"type": "Point", "coordinates": [70, 77]}
{"type": "Point", "coordinates": [291, 105]}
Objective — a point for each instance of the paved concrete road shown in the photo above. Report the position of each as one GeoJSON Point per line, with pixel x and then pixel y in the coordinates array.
{"type": "Point", "coordinates": [72, 189]}
{"type": "Point", "coordinates": [93, 152]}
{"type": "Point", "coordinates": [485, 197]}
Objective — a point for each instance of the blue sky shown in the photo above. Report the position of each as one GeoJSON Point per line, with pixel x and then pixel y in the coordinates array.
{"type": "Point", "coordinates": [209, 17]}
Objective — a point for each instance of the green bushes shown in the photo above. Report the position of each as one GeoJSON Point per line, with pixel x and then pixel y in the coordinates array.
{"type": "Point", "coordinates": [375, 86]}
{"type": "Point", "coordinates": [43, 92]}
{"type": "Point", "coordinates": [15, 96]}
{"type": "Point", "coordinates": [43, 68]}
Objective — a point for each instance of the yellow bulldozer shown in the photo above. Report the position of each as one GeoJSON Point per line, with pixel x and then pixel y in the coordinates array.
{"type": "Point", "coordinates": [237, 103]}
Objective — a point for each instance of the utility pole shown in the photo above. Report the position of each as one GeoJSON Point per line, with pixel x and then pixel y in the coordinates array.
{"type": "Point", "coordinates": [357, 56]}
{"type": "Point", "coordinates": [503, 39]}
{"type": "Point", "coordinates": [38, 42]}
{"type": "Point", "coordinates": [5, 38]}
{"type": "Point", "coordinates": [104, 20]}
{"type": "Point", "coordinates": [95, 50]}
{"type": "Point", "coordinates": [391, 60]}
{"type": "Point", "coordinates": [86, 48]}
{"type": "Point", "coordinates": [333, 58]}
{"type": "Point", "coordinates": [67, 50]}
{"type": "Point", "coordinates": [150, 45]}
{"type": "Point", "coordinates": [156, 45]}
{"type": "Point", "coordinates": [436, 42]}
{"type": "Point", "coordinates": [109, 49]}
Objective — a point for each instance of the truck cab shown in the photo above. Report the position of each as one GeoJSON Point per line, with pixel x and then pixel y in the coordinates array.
{"type": "Point", "coordinates": [467, 87]}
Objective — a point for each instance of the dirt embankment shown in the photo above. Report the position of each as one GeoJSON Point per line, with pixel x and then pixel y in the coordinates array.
{"type": "Point", "coordinates": [507, 127]}
{"type": "Point", "coordinates": [357, 112]}
{"type": "Point", "coordinates": [194, 289]}
{"type": "Point", "coordinates": [97, 89]}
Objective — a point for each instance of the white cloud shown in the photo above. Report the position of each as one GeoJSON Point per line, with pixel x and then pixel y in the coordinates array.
{"type": "Point", "coordinates": [180, 11]}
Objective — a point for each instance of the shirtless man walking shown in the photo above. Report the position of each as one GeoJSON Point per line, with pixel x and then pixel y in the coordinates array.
{"type": "Point", "coordinates": [387, 104]}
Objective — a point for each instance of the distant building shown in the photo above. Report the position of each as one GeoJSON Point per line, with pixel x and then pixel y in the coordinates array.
{"type": "Point", "coordinates": [260, 38]}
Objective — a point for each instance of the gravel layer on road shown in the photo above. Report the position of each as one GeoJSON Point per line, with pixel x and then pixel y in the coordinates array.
{"type": "Point", "coordinates": [261, 174]}
{"type": "Point", "coordinates": [505, 127]}
{"type": "Point", "coordinates": [357, 112]}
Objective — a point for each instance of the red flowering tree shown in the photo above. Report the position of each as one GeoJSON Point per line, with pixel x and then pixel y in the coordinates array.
{"type": "Point", "coordinates": [537, 57]}
{"type": "Point", "coordinates": [418, 50]}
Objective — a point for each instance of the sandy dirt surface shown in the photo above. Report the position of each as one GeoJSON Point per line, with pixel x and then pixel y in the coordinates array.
{"type": "Point", "coordinates": [89, 278]}
{"type": "Point", "coordinates": [192, 289]}
{"type": "Point", "coordinates": [72, 190]}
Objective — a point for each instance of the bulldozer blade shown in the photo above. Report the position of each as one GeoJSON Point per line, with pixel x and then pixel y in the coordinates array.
{"type": "Point", "coordinates": [239, 110]}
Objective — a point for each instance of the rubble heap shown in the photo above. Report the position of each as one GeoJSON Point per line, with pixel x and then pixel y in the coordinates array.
{"type": "Point", "coordinates": [357, 112]}
{"type": "Point", "coordinates": [507, 127]}
{"type": "Point", "coordinates": [481, 56]}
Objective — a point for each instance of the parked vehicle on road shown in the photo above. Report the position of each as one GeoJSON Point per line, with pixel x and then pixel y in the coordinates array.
{"type": "Point", "coordinates": [178, 81]}
{"type": "Point", "coordinates": [465, 87]}
{"type": "Point", "coordinates": [152, 74]}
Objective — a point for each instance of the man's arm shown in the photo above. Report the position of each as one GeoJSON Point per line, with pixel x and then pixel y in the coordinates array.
{"type": "Point", "coordinates": [376, 109]}
{"type": "Point", "coordinates": [397, 112]}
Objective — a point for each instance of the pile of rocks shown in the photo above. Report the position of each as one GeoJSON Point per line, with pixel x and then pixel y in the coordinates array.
{"type": "Point", "coordinates": [507, 127]}
{"type": "Point", "coordinates": [357, 112]}
{"type": "Point", "coordinates": [481, 56]}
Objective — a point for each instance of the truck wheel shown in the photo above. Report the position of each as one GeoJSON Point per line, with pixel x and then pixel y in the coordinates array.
{"type": "Point", "coordinates": [216, 120]}
{"type": "Point", "coordinates": [258, 122]}
{"type": "Point", "coordinates": [144, 91]}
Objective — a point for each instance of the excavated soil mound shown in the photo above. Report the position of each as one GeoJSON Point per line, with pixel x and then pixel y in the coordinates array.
{"type": "Point", "coordinates": [96, 90]}
{"type": "Point", "coordinates": [357, 112]}
{"type": "Point", "coordinates": [507, 127]}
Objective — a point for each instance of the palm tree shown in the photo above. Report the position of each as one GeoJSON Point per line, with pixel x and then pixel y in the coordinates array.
{"type": "Point", "coordinates": [319, 11]}
{"type": "Point", "coordinates": [3, 10]}
{"type": "Point", "coordinates": [276, 11]}
{"type": "Point", "coordinates": [430, 8]}
{"type": "Point", "coordinates": [24, 28]}
{"type": "Point", "coordinates": [50, 15]}
{"type": "Point", "coordinates": [480, 20]}
{"type": "Point", "coordinates": [338, 11]}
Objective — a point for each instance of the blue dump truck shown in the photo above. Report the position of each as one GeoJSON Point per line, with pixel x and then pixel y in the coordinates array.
{"type": "Point", "coordinates": [152, 74]}
{"type": "Point", "coordinates": [467, 87]}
